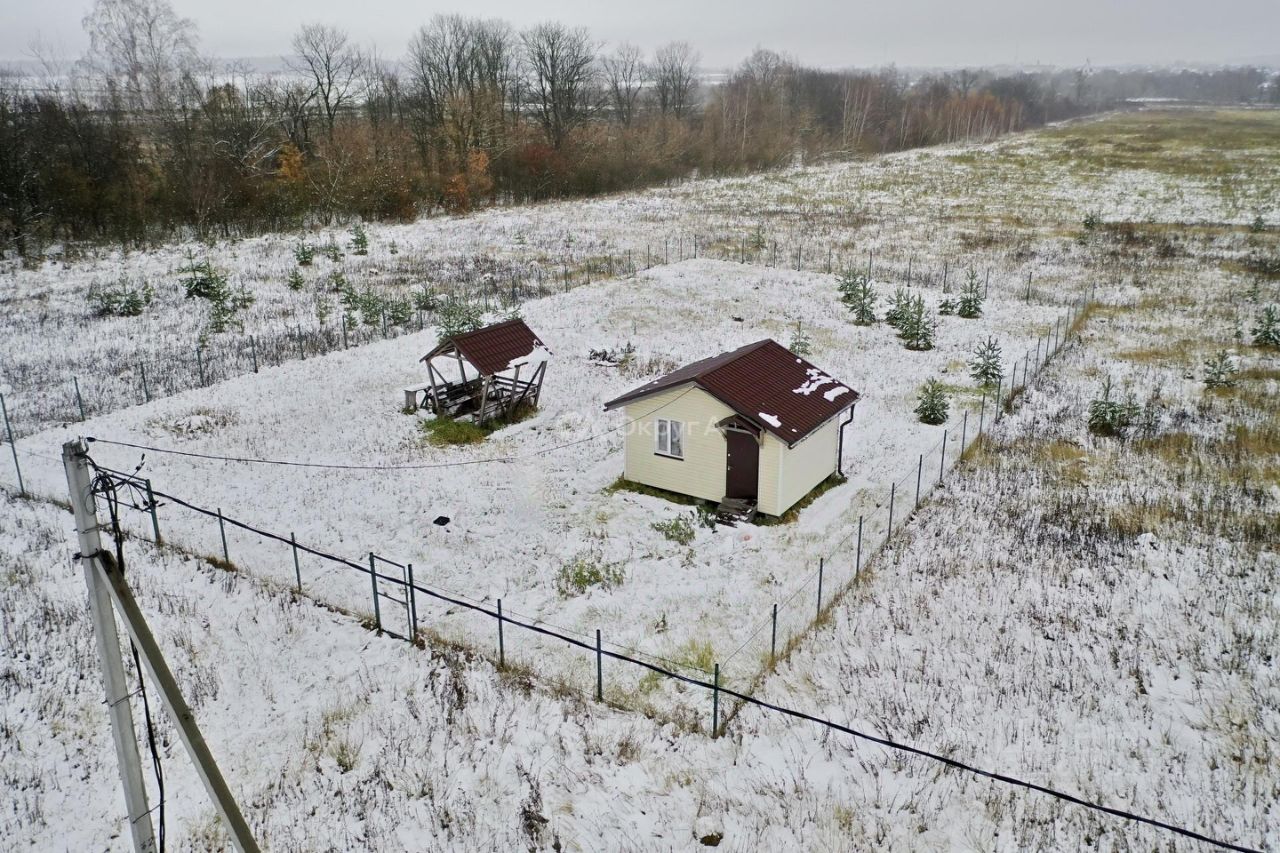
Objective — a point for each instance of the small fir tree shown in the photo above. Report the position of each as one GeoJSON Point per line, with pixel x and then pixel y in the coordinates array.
{"type": "Point", "coordinates": [946, 307]}
{"type": "Point", "coordinates": [858, 296]}
{"type": "Point", "coordinates": [1266, 331]}
{"type": "Point", "coordinates": [985, 368]}
{"type": "Point", "coordinates": [295, 280]}
{"type": "Point", "coordinates": [332, 251]}
{"type": "Point", "coordinates": [917, 327]}
{"type": "Point", "coordinates": [359, 240]}
{"type": "Point", "coordinates": [456, 317]}
{"type": "Point", "coordinates": [1220, 371]}
{"type": "Point", "coordinates": [899, 306]}
{"type": "Point", "coordinates": [933, 406]}
{"type": "Point", "coordinates": [801, 345]}
{"type": "Point", "coordinates": [970, 304]}
{"type": "Point", "coordinates": [304, 253]}
{"type": "Point", "coordinates": [1111, 417]}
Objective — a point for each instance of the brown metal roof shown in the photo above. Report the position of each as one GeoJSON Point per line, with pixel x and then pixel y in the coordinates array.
{"type": "Point", "coordinates": [491, 349]}
{"type": "Point", "coordinates": [764, 382]}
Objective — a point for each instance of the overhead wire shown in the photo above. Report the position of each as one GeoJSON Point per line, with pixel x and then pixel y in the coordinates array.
{"type": "Point", "coordinates": [749, 699]}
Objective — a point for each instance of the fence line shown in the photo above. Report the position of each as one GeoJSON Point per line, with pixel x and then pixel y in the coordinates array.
{"type": "Point", "coordinates": [174, 369]}
{"type": "Point", "coordinates": [798, 611]}
{"type": "Point", "coordinates": [390, 582]}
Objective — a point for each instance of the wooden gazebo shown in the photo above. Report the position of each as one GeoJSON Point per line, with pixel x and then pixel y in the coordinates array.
{"type": "Point", "coordinates": [488, 364]}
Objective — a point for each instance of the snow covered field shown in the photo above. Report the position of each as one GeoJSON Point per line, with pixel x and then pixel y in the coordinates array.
{"type": "Point", "coordinates": [1090, 613]}
{"type": "Point", "coordinates": [516, 523]}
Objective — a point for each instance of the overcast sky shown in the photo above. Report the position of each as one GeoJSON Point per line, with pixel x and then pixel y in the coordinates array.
{"type": "Point", "coordinates": [830, 33]}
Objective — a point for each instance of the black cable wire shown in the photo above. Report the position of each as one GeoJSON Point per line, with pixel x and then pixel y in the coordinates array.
{"type": "Point", "coordinates": [743, 697]}
{"type": "Point", "coordinates": [349, 467]}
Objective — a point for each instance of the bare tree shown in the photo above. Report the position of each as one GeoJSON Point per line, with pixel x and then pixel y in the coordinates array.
{"type": "Point", "coordinates": [461, 73]}
{"type": "Point", "coordinates": [675, 80]}
{"type": "Point", "coordinates": [333, 66]}
{"type": "Point", "coordinates": [560, 65]}
{"type": "Point", "coordinates": [142, 47]}
{"type": "Point", "coordinates": [625, 74]}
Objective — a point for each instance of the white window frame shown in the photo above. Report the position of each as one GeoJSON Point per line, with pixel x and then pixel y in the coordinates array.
{"type": "Point", "coordinates": [664, 430]}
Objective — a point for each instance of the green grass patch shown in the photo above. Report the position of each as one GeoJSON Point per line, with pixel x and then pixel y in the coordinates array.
{"type": "Point", "coordinates": [622, 484]}
{"type": "Point", "coordinates": [447, 432]}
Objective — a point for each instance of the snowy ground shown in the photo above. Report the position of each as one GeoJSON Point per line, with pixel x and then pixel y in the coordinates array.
{"type": "Point", "coordinates": [1090, 613]}
{"type": "Point", "coordinates": [515, 524]}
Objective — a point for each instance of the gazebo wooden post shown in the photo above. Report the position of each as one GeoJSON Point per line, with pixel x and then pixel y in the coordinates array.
{"type": "Point", "coordinates": [435, 393]}
{"type": "Point", "coordinates": [515, 387]}
{"type": "Point", "coordinates": [537, 380]}
{"type": "Point", "coordinates": [484, 397]}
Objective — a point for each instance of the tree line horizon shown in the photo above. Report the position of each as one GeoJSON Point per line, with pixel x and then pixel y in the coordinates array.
{"type": "Point", "coordinates": [149, 140]}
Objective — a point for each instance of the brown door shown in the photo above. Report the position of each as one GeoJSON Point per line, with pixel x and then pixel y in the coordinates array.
{"type": "Point", "coordinates": [742, 465]}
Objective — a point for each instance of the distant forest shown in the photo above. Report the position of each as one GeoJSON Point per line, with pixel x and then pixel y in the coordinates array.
{"type": "Point", "coordinates": [144, 139]}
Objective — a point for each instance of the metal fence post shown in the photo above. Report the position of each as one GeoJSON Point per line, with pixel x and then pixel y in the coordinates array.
{"type": "Point", "coordinates": [715, 705]}
{"type": "Point", "coordinates": [502, 649]}
{"type": "Point", "coordinates": [821, 565]}
{"type": "Point", "coordinates": [8, 428]}
{"type": "Point", "coordinates": [253, 349]}
{"type": "Point", "coordinates": [999, 386]}
{"type": "Point", "coordinates": [964, 431]}
{"type": "Point", "coordinates": [599, 669]}
{"type": "Point", "coordinates": [146, 392]}
{"type": "Point", "coordinates": [79, 399]}
{"type": "Point", "coordinates": [151, 505]}
{"type": "Point", "coordinates": [373, 580]}
{"type": "Point", "coordinates": [413, 605]}
{"type": "Point", "coordinates": [942, 459]}
{"type": "Point", "coordinates": [200, 366]}
{"type": "Point", "coordinates": [222, 531]}
{"type": "Point", "coordinates": [893, 490]}
{"type": "Point", "coordinates": [297, 566]}
{"type": "Point", "coordinates": [773, 637]}
{"type": "Point", "coordinates": [919, 476]}
{"type": "Point", "coordinates": [857, 562]}
{"type": "Point", "coordinates": [344, 331]}
{"type": "Point", "coordinates": [982, 414]}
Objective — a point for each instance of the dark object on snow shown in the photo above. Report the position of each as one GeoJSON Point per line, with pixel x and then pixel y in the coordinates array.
{"type": "Point", "coordinates": [441, 520]}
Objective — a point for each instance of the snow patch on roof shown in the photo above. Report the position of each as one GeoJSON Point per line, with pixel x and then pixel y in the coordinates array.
{"type": "Point", "coordinates": [771, 420]}
{"type": "Point", "coordinates": [836, 392]}
{"type": "Point", "coordinates": [536, 356]}
{"type": "Point", "coordinates": [815, 381]}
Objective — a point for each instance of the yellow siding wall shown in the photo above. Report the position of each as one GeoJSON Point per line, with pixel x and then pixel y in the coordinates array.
{"type": "Point", "coordinates": [802, 467]}
{"type": "Point", "coordinates": [701, 472]}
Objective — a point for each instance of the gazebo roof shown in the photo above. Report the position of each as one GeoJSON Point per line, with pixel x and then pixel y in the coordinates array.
{"type": "Point", "coordinates": [494, 348]}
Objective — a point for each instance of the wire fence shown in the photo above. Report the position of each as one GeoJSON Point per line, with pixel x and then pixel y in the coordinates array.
{"type": "Point", "coordinates": [880, 513]}
{"type": "Point", "coordinates": [396, 596]}
{"type": "Point", "coordinates": [120, 379]}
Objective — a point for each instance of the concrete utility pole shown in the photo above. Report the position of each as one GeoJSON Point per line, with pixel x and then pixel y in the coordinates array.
{"type": "Point", "coordinates": [109, 593]}
{"type": "Point", "coordinates": [104, 628]}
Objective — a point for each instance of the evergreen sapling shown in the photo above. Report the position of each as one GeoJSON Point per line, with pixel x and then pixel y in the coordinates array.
{"type": "Point", "coordinates": [985, 367]}
{"type": "Point", "coordinates": [932, 406]}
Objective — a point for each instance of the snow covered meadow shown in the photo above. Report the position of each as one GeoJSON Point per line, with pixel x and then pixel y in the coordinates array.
{"type": "Point", "coordinates": [1093, 613]}
{"type": "Point", "coordinates": [515, 525]}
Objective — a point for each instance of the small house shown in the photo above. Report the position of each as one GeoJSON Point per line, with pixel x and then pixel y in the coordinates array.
{"type": "Point", "coordinates": [490, 372]}
{"type": "Point", "coordinates": [755, 429]}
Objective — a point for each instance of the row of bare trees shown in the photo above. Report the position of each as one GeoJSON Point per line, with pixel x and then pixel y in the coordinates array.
{"type": "Point", "coordinates": [145, 138]}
